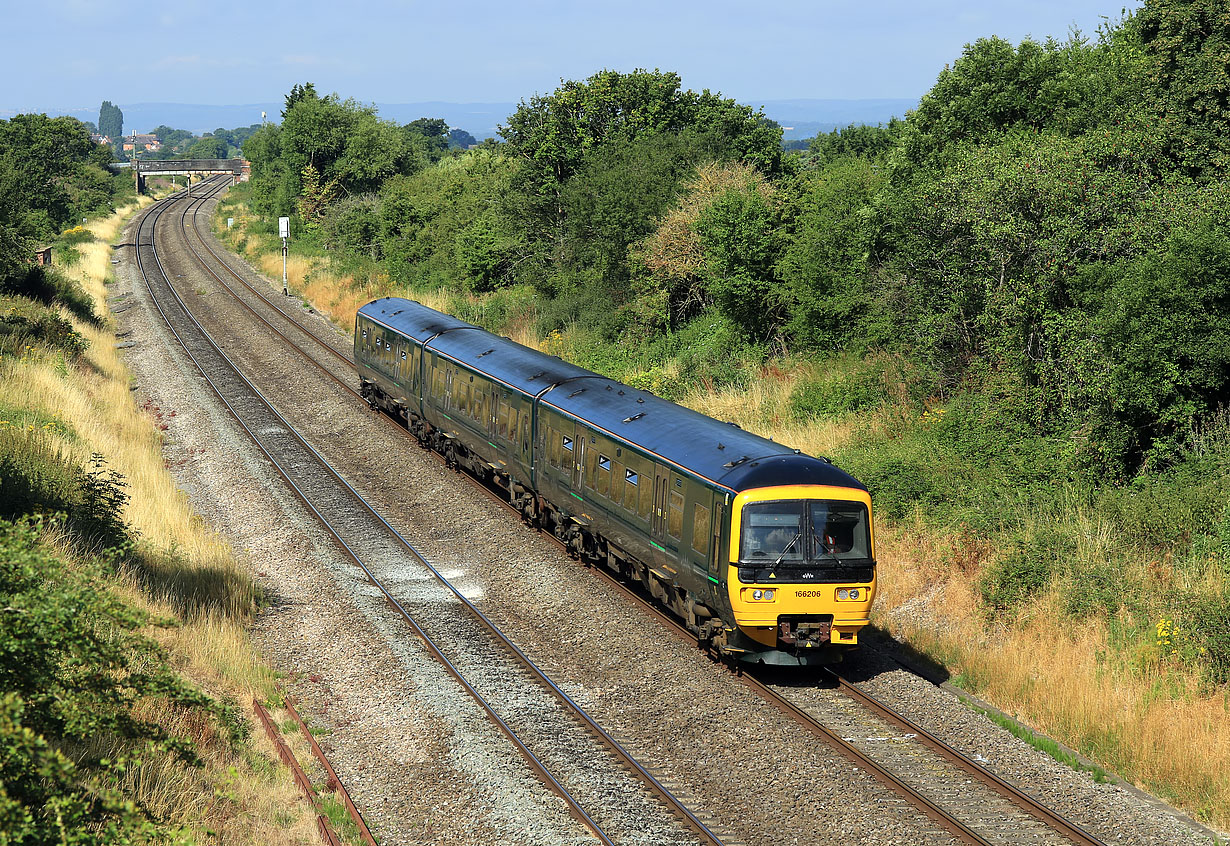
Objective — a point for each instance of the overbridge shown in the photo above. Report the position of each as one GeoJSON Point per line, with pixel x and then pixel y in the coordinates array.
{"type": "Point", "coordinates": [239, 169]}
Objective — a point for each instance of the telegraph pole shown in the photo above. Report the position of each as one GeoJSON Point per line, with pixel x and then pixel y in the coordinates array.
{"type": "Point", "coordinates": [284, 231]}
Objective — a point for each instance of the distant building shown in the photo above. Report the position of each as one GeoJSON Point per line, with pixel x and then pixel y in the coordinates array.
{"type": "Point", "coordinates": [136, 141]}
{"type": "Point", "coordinates": [101, 139]}
{"type": "Point", "coordinates": [42, 256]}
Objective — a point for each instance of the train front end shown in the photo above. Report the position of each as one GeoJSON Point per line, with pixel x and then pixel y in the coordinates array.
{"type": "Point", "coordinates": [802, 572]}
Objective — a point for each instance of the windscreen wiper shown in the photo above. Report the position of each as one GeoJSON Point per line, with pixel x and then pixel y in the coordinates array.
{"type": "Point", "coordinates": [778, 560]}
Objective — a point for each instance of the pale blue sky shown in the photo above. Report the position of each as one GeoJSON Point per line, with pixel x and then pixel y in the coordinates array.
{"type": "Point", "coordinates": [60, 54]}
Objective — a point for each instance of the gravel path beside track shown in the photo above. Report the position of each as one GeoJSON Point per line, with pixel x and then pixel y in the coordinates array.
{"type": "Point", "coordinates": [424, 767]}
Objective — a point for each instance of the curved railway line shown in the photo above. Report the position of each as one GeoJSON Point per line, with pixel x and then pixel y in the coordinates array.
{"type": "Point", "coordinates": [346, 515]}
{"type": "Point", "coordinates": [972, 804]}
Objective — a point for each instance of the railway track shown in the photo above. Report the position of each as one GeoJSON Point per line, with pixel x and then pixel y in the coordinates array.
{"type": "Point", "coordinates": [972, 804]}
{"type": "Point", "coordinates": [604, 786]}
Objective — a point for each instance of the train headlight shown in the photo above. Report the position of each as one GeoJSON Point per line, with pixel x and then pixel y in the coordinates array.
{"type": "Point", "coordinates": [854, 593]}
{"type": "Point", "coordinates": [768, 594]}
{"type": "Point", "coordinates": [843, 594]}
{"type": "Point", "coordinates": [849, 593]}
{"type": "Point", "coordinates": [758, 594]}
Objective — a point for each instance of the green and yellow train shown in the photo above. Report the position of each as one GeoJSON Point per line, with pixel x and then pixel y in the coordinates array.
{"type": "Point", "coordinates": [766, 554]}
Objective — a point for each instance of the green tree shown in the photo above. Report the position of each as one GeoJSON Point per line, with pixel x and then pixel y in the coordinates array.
{"type": "Point", "coordinates": [207, 147]}
{"type": "Point", "coordinates": [111, 121]}
{"type": "Point", "coordinates": [1186, 43]}
{"type": "Point", "coordinates": [549, 136]}
{"type": "Point", "coordinates": [825, 265]}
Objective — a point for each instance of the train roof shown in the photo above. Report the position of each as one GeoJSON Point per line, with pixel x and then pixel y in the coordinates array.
{"type": "Point", "coordinates": [720, 452]}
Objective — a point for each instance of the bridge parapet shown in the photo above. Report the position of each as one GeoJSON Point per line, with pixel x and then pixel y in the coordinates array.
{"type": "Point", "coordinates": [239, 169]}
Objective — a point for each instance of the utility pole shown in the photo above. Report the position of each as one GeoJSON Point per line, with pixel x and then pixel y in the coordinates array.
{"type": "Point", "coordinates": [284, 231]}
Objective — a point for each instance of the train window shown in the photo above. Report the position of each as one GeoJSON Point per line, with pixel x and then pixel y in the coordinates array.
{"type": "Point", "coordinates": [501, 416]}
{"type": "Point", "coordinates": [513, 417]}
{"type": "Point", "coordinates": [567, 443]}
{"type": "Point", "coordinates": [553, 449]}
{"type": "Point", "coordinates": [365, 334]}
{"type": "Point", "coordinates": [403, 355]}
{"type": "Point", "coordinates": [387, 346]}
{"type": "Point", "coordinates": [617, 482]}
{"type": "Point", "coordinates": [604, 475]}
{"type": "Point", "coordinates": [675, 523]}
{"type": "Point", "coordinates": [646, 503]}
{"type": "Point", "coordinates": [700, 529]}
{"type": "Point", "coordinates": [632, 477]}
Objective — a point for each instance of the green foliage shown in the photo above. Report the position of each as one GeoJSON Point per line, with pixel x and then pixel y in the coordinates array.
{"type": "Point", "coordinates": [843, 391]}
{"type": "Point", "coordinates": [1022, 574]}
{"type": "Point", "coordinates": [24, 324]}
{"type": "Point", "coordinates": [51, 175]}
{"type": "Point", "coordinates": [207, 147]}
{"type": "Point", "coordinates": [1207, 620]}
{"type": "Point", "coordinates": [1185, 43]}
{"type": "Point", "coordinates": [425, 219]}
{"type": "Point", "coordinates": [1164, 327]}
{"type": "Point", "coordinates": [74, 667]}
{"type": "Point", "coordinates": [738, 233]}
{"type": "Point", "coordinates": [352, 226]}
{"type": "Point", "coordinates": [549, 136]}
{"type": "Point", "coordinates": [855, 141]}
{"type": "Point", "coordinates": [39, 480]}
{"type": "Point", "coordinates": [614, 199]}
{"type": "Point", "coordinates": [49, 286]}
{"type": "Point", "coordinates": [824, 265]}
{"type": "Point", "coordinates": [111, 121]}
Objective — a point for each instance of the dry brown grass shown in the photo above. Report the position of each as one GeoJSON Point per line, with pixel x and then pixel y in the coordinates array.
{"type": "Point", "coordinates": [242, 796]}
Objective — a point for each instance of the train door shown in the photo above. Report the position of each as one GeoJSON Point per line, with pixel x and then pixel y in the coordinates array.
{"type": "Point", "coordinates": [696, 543]}
{"type": "Point", "coordinates": [717, 554]}
{"type": "Point", "coordinates": [661, 487]}
{"type": "Point", "coordinates": [580, 444]}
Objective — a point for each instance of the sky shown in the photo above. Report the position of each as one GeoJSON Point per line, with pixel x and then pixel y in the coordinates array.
{"type": "Point", "coordinates": [65, 54]}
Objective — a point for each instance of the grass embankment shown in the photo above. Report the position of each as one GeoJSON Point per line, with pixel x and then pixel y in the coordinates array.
{"type": "Point", "coordinates": [127, 642]}
{"type": "Point", "coordinates": [1097, 612]}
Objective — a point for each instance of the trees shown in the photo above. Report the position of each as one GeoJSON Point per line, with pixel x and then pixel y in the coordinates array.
{"type": "Point", "coordinates": [1185, 44]}
{"type": "Point", "coordinates": [207, 147]}
{"type": "Point", "coordinates": [111, 121]}
{"type": "Point", "coordinates": [459, 139]}
{"type": "Point", "coordinates": [549, 136]}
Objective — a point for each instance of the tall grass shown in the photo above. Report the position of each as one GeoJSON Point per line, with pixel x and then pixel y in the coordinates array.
{"type": "Point", "coordinates": [180, 569]}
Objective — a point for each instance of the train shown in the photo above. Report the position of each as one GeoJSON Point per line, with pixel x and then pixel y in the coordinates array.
{"type": "Point", "coordinates": [766, 554]}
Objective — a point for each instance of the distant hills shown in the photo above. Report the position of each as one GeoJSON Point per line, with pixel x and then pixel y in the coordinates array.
{"type": "Point", "coordinates": [802, 118]}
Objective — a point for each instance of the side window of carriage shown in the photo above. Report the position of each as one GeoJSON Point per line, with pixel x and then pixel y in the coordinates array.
{"type": "Point", "coordinates": [604, 475]}
{"type": "Point", "coordinates": [675, 522]}
{"type": "Point", "coordinates": [700, 529]}
{"type": "Point", "coordinates": [632, 482]}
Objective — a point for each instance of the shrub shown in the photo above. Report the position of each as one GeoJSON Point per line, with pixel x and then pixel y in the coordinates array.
{"type": "Point", "coordinates": [48, 286]}
{"type": "Point", "coordinates": [1208, 626]}
{"type": "Point", "coordinates": [24, 323]}
{"type": "Point", "coordinates": [38, 479]}
{"type": "Point", "coordinates": [1018, 577]}
{"type": "Point", "coordinates": [897, 484]}
{"type": "Point", "coordinates": [75, 668]}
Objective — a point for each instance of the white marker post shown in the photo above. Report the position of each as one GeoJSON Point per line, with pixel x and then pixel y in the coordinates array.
{"type": "Point", "coordinates": [284, 231]}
